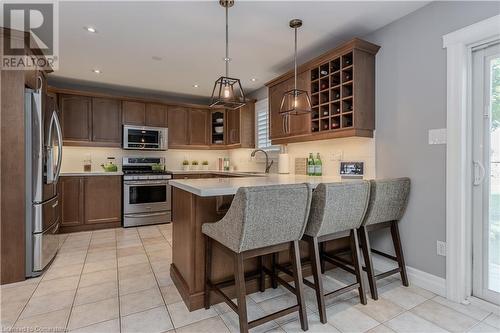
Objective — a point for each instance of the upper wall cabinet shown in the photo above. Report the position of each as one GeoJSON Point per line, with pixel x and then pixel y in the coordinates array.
{"type": "Point", "coordinates": [240, 127]}
{"type": "Point", "coordinates": [341, 85]}
{"type": "Point", "coordinates": [178, 134]}
{"type": "Point", "coordinates": [134, 113]}
{"type": "Point", "coordinates": [106, 120]}
{"type": "Point", "coordinates": [75, 117]}
{"type": "Point", "coordinates": [90, 121]}
{"type": "Point", "coordinates": [156, 115]}
{"type": "Point", "coordinates": [198, 127]}
{"type": "Point", "coordinates": [144, 114]}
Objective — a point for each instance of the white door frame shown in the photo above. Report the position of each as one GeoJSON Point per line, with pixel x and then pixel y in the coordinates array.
{"type": "Point", "coordinates": [459, 46]}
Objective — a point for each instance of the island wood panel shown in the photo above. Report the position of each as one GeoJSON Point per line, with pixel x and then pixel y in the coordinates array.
{"type": "Point", "coordinates": [106, 120]}
{"type": "Point", "coordinates": [189, 212]}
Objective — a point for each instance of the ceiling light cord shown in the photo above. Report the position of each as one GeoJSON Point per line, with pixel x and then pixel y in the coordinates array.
{"type": "Point", "coordinates": [295, 60]}
{"type": "Point", "coordinates": [227, 42]}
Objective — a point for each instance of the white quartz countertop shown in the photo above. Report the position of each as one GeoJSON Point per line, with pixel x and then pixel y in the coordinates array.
{"type": "Point", "coordinates": [91, 173]}
{"type": "Point", "coordinates": [209, 187]}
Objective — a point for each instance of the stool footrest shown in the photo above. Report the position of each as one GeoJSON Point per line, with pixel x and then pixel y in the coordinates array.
{"type": "Point", "coordinates": [341, 263]}
{"type": "Point", "coordinates": [388, 273]}
{"type": "Point", "coordinates": [342, 290]}
{"type": "Point", "coordinates": [383, 254]}
{"type": "Point", "coordinates": [273, 316]}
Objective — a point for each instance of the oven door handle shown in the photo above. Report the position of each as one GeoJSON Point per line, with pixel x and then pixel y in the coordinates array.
{"type": "Point", "coordinates": [148, 183]}
{"type": "Point", "coordinates": [148, 214]}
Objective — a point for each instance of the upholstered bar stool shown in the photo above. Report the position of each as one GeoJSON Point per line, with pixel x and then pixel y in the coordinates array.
{"type": "Point", "coordinates": [261, 220]}
{"type": "Point", "coordinates": [388, 201]}
{"type": "Point", "coordinates": [337, 210]}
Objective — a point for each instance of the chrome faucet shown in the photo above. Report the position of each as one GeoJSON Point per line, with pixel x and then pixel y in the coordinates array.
{"type": "Point", "coordinates": [268, 165]}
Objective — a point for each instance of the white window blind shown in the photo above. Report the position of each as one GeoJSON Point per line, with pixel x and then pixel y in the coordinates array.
{"type": "Point", "coordinates": [262, 140]}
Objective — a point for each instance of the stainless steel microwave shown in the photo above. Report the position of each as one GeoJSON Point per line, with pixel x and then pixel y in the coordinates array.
{"type": "Point", "coordinates": [145, 138]}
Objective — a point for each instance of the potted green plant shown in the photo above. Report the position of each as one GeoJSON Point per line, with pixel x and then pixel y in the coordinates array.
{"type": "Point", "coordinates": [204, 165]}
{"type": "Point", "coordinates": [185, 165]}
{"type": "Point", "coordinates": [194, 165]}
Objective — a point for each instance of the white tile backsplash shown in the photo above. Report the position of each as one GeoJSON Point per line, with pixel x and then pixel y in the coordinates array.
{"type": "Point", "coordinates": [331, 152]}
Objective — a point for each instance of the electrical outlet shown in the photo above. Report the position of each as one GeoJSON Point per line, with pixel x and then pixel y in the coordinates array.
{"type": "Point", "coordinates": [441, 248]}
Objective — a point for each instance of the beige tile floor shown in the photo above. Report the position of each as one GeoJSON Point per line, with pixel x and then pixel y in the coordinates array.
{"type": "Point", "coordinates": [118, 281]}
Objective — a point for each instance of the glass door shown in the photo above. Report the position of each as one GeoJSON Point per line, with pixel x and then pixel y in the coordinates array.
{"type": "Point", "coordinates": [486, 169]}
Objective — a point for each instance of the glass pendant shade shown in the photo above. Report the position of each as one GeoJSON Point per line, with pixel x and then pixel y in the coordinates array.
{"type": "Point", "coordinates": [228, 93]}
{"type": "Point", "coordinates": [295, 102]}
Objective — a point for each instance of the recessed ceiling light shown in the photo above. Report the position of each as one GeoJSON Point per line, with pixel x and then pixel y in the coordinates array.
{"type": "Point", "coordinates": [157, 58]}
{"type": "Point", "coordinates": [253, 79]}
{"type": "Point", "coordinates": [195, 86]}
{"type": "Point", "coordinates": [91, 29]}
{"type": "Point", "coordinates": [97, 71]}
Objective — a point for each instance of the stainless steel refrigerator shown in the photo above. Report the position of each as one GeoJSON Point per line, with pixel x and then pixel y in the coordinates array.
{"type": "Point", "coordinates": [43, 166]}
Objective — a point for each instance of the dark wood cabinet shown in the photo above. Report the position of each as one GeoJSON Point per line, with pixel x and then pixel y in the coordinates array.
{"type": "Point", "coordinates": [198, 127]}
{"type": "Point", "coordinates": [134, 113]}
{"type": "Point", "coordinates": [90, 202]}
{"type": "Point", "coordinates": [156, 115]}
{"type": "Point", "coordinates": [106, 120]}
{"type": "Point", "coordinates": [341, 86]}
{"type": "Point", "coordinates": [102, 199]}
{"type": "Point", "coordinates": [75, 117]}
{"type": "Point", "coordinates": [71, 201]}
{"type": "Point", "coordinates": [178, 133]}
{"type": "Point", "coordinates": [233, 127]}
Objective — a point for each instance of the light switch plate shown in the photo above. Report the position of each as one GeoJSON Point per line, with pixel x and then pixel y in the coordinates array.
{"type": "Point", "coordinates": [437, 136]}
{"type": "Point", "coordinates": [441, 248]}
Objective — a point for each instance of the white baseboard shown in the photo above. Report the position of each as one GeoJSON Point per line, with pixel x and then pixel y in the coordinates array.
{"type": "Point", "coordinates": [419, 278]}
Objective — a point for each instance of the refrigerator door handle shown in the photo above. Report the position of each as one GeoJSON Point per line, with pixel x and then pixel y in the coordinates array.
{"type": "Point", "coordinates": [59, 146]}
{"type": "Point", "coordinates": [53, 175]}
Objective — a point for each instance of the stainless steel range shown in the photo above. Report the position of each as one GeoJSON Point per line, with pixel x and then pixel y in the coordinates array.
{"type": "Point", "coordinates": [146, 192]}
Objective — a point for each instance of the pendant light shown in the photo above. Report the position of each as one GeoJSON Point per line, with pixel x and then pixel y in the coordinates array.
{"type": "Point", "coordinates": [227, 92]}
{"type": "Point", "coordinates": [295, 101]}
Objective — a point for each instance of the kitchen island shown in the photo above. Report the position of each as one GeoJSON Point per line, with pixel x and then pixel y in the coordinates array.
{"type": "Point", "coordinates": [198, 201]}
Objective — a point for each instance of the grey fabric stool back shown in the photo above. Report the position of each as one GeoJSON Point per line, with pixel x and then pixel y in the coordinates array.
{"type": "Point", "coordinates": [388, 201]}
{"type": "Point", "coordinates": [337, 207]}
{"type": "Point", "coordinates": [263, 216]}
{"type": "Point", "coordinates": [262, 220]}
{"type": "Point", "coordinates": [337, 210]}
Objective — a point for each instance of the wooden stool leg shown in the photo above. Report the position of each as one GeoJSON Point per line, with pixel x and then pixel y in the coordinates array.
{"type": "Point", "coordinates": [396, 239]}
{"type": "Point", "coordinates": [322, 249]}
{"type": "Point", "coordinates": [299, 288]}
{"type": "Point", "coordinates": [316, 272]}
{"type": "Point", "coordinates": [239, 276]}
{"type": "Point", "coordinates": [367, 254]}
{"type": "Point", "coordinates": [357, 265]}
{"type": "Point", "coordinates": [274, 261]}
{"type": "Point", "coordinates": [208, 272]}
{"type": "Point", "coordinates": [261, 274]}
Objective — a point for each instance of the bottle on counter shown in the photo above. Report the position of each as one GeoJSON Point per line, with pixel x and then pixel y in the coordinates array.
{"type": "Point", "coordinates": [87, 163]}
{"type": "Point", "coordinates": [226, 163]}
{"type": "Point", "coordinates": [318, 166]}
{"type": "Point", "coordinates": [310, 165]}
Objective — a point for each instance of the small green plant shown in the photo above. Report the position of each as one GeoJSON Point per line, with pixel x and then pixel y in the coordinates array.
{"type": "Point", "coordinates": [204, 163]}
{"type": "Point", "coordinates": [194, 163]}
{"type": "Point", "coordinates": [185, 162]}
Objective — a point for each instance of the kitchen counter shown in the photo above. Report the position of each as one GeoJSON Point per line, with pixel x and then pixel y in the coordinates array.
{"type": "Point", "coordinates": [228, 186]}
{"type": "Point", "coordinates": [217, 172]}
{"type": "Point", "coordinates": [92, 173]}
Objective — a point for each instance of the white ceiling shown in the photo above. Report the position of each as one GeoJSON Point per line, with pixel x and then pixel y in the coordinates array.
{"type": "Point", "coordinates": [189, 37]}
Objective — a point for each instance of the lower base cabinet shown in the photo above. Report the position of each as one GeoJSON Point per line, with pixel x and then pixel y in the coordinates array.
{"type": "Point", "coordinates": [90, 202]}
